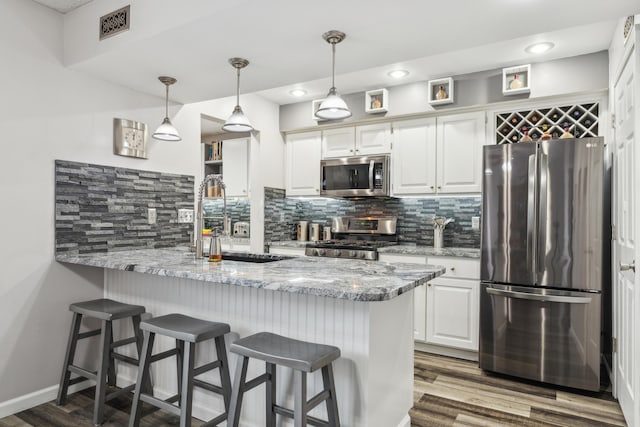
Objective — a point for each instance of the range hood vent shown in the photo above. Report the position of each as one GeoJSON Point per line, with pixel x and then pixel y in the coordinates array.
{"type": "Point", "coordinates": [115, 22]}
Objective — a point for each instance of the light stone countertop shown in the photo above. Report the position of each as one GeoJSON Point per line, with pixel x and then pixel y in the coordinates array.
{"type": "Point", "coordinates": [408, 249]}
{"type": "Point", "coordinates": [354, 280]}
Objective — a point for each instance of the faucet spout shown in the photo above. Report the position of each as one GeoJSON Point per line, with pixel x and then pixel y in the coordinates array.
{"type": "Point", "coordinates": [216, 180]}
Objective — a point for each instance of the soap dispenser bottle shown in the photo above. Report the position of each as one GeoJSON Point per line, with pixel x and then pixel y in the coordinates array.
{"type": "Point", "coordinates": [215, 248]}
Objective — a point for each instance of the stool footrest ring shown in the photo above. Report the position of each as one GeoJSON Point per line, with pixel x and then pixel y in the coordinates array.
{"type": "Point", "coordinates": [310, 420]}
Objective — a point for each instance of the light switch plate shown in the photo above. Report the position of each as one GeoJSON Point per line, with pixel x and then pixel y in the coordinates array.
{"type": "Point", "coordinates": [185, 216]}
{"type": "Point", "coordinates": [152, 216]}
{"type": "Point", "coordinates": [475, 223]}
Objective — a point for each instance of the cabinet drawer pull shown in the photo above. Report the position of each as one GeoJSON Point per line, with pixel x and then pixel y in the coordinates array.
{"type": "Point", "coordinates": [452, 269]}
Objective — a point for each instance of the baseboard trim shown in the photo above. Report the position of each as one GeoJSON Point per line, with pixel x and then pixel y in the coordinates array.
{"type": "Point", "coordinates": [26, 401]}
{"type": "Point", "coordinates": [447, 351]}
{"type": "Point", "coordinates": [406, 421]}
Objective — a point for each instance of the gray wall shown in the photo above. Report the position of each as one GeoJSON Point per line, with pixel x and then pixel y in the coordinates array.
{"type": "Point", "coordinates": [563, 76]}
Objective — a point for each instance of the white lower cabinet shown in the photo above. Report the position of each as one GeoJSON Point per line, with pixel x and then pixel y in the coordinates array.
{"type": "Point", "coordinates": [446, 309]}
{"type": "Point", "coordinates": [452, 313]}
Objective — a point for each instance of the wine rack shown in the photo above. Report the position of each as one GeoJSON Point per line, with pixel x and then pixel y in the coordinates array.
{"type": "Point", "coordinates": [580, 119]}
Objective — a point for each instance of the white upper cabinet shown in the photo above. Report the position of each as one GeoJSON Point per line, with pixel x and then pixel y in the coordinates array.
{"type": "Point", "coordinates": [303, 164]}
{"type": "Point", "coordinates": [235, 154]}
{"type": "Point", "coordinates": [414, 157]}
{"type": "Point", "coordinates": [460, 139]}
{"type": "Point", "coordinates": [338, 142]}
{"type": "Point", "coordinates": [442, 155]}
{"type": "Point", "coordinates": [357, 141]}
{"type": "Point", "coordinates": [373, 139]}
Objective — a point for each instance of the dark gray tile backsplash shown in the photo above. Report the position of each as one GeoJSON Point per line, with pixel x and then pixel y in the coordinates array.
{"type": "Point", "coordinates": [414, 216]}
{"type": "Point", "coordinates": [104, 208]}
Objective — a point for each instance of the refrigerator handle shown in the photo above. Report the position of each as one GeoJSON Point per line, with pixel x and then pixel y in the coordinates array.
{"type": "Point", "coordinates": [539, 297]}
{"type": "Point", "coordinates": [543, 158]}
{"type": "Point", "coordinates": [531, 216]}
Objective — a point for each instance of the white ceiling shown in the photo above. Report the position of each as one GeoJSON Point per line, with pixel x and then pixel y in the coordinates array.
{"type": "Point", "coordinates": [63, 6]}
{"type": "Point", "coordinates": [282, 40]}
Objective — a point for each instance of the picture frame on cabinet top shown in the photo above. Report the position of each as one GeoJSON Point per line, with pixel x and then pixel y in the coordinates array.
{"type": "Point", "coordinates": [516, 80]}
{"type": "Point", "coordinates": [441, 91]}
{"type": "Point", "coordinates": [376, 101]}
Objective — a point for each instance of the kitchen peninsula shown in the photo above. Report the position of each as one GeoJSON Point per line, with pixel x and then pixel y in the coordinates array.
{"type": "Point", "coordinates": [365, 308]}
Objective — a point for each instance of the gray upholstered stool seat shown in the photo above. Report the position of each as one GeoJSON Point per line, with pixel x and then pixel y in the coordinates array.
{"type": "Point", "coordinates": [283, 351]}
{"type": "Point", "coordinates": [301, 356]}
{"type": "Point", "coordinates": [187, 331]}
{"type": "Point", "coordinates": [106, 311]}
{"type": "Point", "coordinates": [185, 328]}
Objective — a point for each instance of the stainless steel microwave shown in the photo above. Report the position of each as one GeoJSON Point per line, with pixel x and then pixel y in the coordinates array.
{"type": "Point", "coordinates": [362, 176]}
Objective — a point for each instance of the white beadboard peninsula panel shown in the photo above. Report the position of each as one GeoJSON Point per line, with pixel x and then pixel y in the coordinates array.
{"type": "Point", "coordinates": [364, 374]}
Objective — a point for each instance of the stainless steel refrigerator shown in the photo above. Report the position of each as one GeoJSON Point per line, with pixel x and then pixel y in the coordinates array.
{"type": "Point", "coordinates": [545, 260]}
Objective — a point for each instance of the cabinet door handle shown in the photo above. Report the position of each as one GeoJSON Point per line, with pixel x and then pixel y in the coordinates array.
{"type": "Point", "coordinates": [428, 284]}
{"type": "Point", "coordinates": [439, 187]}
{"type": "Point", "coordinates": [432, 187]}
{"type": "Point", "coordinates": [351, 151]}
{"type": "Point", "coordinates": [452, 269]}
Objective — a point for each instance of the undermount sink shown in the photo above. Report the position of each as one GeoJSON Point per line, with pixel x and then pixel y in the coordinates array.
{"type": "Point", "coordinates": [255, 258]}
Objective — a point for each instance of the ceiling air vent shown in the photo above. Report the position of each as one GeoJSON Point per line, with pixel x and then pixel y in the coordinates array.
{"type": "Point", "coordinates": [114, 22]}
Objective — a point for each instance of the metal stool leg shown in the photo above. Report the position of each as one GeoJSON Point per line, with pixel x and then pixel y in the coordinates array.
{"type": "Point", "coordinates": [143, 374]}
{"type": "Point", "coordinates": [101, 383]}
{"type": "Point", "coordinates": [68, 358]}
{"type": "Point", "coordinates": [225, 379]}
{"type": "Point", "coordinates": [238, 392]}
{"type": "Point", "coordinates": [300, 398]}
{"type": "Point", "coordinates": [332, 402]}
{"type": "Point", "coordinates": [187, 384]}
{"type": "Point", "coordinates": [271, 394]}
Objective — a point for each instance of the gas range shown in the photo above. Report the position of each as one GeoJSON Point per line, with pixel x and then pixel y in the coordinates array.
{"type": "Point", "coordinates": [356, 238]}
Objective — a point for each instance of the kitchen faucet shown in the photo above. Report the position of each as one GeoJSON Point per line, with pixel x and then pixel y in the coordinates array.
{"type": "Point", "coordinates": [216, 180]}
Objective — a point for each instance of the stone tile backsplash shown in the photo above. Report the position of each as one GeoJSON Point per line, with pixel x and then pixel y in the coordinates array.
{"type": "Point", "coordinates": [237, 210]}
{"type": "Point", "coordinates": [414, 216]}
{"type": "Point", "coordinates": [104, 208]}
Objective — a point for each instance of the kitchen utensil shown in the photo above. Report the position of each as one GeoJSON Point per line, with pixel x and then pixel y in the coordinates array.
{"type": "Point", "coordinates": [439, 223]}
{"type": "Point", "coordinates": [314, 232]}
{"type": "Point", "coordinates": [302, 230]}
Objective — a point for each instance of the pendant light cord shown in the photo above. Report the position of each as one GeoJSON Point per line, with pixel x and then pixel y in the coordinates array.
{"type": "Point", "coordinates": [238, 88]}
{"type": "Point", "coordinates": [333, 70]}
{"type": "Point", "coordinates": [166, 102]}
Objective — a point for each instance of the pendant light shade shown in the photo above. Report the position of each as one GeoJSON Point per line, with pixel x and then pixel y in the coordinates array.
{"type": "Point", "coordinates": [237, 122]}
{"type": "Point", "coordinates": [333, 107]}
{"type": "Point", "coordinates": [166, 131]}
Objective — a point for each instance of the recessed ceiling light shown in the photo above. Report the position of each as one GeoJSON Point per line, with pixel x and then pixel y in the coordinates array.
{"type": "Point", "coordinates": [398, 74]}
{"type": "Point", "coordinates": [298, 92]}
{"type": "Point", "coordinates": [539, 47]}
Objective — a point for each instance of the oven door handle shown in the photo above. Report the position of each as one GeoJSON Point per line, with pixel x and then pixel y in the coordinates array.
{"type": "Point", "coordinates": [371, 166]}
{"type": "Point", "coordinates": [538, 297]}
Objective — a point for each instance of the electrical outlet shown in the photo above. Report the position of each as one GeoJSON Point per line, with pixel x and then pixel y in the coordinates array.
{"type": "Point", "coordinates": [152, 216]}
{"type": "Point", "coordinates": [475, 223]}
{"type": "Point", "coordinates": [185, 216]}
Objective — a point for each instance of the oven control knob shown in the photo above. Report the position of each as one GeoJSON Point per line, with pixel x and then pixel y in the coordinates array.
{"type": "Point", "coordinates": [320, 252]}
{"type": "Point", "coordinates": [337, 253]}
{"type": "Point", "coordinates": [362, 255]}
{"type": "Point", "coordinates": [353, 254]}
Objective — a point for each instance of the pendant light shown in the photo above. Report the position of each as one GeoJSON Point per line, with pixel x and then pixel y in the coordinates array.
{"type": "Point", "coordinates": [333, 107]}
{"type": "Point", "coordinates": [237, 122]}
{"type": "Point", "coordinates": [166, 131]}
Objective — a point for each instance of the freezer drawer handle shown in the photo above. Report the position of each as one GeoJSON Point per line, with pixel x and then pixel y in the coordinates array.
{"type": "Point", "coordinates": [625, 267]}
{"type": "Point", "coordinates": [537, 297]}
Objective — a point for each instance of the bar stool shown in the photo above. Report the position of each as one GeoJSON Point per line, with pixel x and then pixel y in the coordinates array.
{"type": "Point", "coordinates": [106, 311]}
{"type": "Point", "coordinates": [302, 357]}
{"type": "Point", "coordinates": [187, 331]}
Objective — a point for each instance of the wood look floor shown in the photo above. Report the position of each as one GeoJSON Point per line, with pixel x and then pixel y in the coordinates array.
{"type": "Point", "coordinates": [447, 392]}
